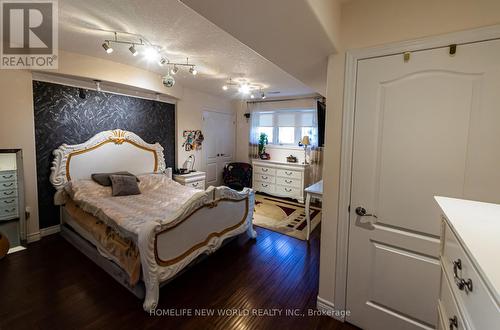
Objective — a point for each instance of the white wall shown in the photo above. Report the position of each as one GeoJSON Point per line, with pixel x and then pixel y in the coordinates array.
{"type": "Point", "coordinates": [17, 117]}
{"type": "Point", "coordinates": [366, 23]}
{"type": "Point", "coordinates": [189, 117]}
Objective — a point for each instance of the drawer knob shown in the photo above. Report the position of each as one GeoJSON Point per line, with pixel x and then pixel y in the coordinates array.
{"type": "Point", "coordinates": [288, 190]}
{"type": "Point", "coordinates": [453, 322]}
{"type": "Point", "coordinates": [288, 173]}
{"type": "Point", "coordinates": [265, 185]}
{"type": "Point", "coordinates": [288, 181]}
{"type": "Point", "coordinates": [461, 283]}
{"type": "Point", "coordinates": [264, 177]}
{"type": "Point", "coordinates": [265, 169]}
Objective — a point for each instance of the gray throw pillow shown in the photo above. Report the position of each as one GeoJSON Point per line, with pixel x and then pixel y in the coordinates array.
{"type": "Point", "coordinates": [104, 180]}
{"type": "Point", "coordinates": [124, 185]}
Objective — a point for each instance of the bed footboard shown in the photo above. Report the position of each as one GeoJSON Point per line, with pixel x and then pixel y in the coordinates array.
{"type": "Point", "coordinates": [201, 226]}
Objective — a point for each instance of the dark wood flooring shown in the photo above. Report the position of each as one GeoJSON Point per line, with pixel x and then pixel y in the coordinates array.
{"type": "Point", "coordinates": [53, 286]}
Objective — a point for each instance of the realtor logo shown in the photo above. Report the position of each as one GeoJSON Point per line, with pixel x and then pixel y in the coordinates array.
{"type": "Point", "coordinates": [29, 34]}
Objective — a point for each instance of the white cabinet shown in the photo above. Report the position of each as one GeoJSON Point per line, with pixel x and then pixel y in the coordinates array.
{"type": "Point", "coordinates": [470, 277]}
{"type": "Point", "coordinates": [280, 179]}
{"type": "Point", "coordinates": [193, 179]}
{"type": "Point", "coordinates": [9, 204]}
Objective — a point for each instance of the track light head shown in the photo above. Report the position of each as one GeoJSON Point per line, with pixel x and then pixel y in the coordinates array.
{"type": "Point", "coordinates": [193, 71]}
{"type": "Point", "coordinates": [107, 47]}
{"type": "Point", "coordinates": [263, 96]}
{"type": "Point", "coordinates": [252, 96]}
{"type": "Point", "coordinates": [225, 87]}
{"type": "Point", "coordinates": [174, 70]}
{"type": "Point", "coordinates": [133, 50]}
{"type": "Point", "coordinates": [162, 61]}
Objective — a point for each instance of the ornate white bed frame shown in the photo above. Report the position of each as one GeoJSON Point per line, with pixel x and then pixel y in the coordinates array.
{"type": "Point", "coordinates": [199, 227]}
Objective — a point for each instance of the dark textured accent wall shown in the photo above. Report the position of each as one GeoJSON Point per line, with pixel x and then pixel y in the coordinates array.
{"type": "Point", "coordinates": [63, 116]}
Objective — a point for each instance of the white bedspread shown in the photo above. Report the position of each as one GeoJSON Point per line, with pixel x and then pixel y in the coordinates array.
{"type": "Point", "coordinates": [160, 198]}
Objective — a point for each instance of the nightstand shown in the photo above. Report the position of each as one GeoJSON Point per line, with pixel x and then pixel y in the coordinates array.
{"type": "Point", "coordinates": [193, 179]}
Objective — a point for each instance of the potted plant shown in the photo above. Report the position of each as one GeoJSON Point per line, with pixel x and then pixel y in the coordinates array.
{"type": "Point", "coordinates": [262, 146]}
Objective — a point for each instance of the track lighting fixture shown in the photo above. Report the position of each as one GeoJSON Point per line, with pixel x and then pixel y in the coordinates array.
{"type": "Point", "coordinates": [263, 96]}
{"type": "Point", "coordinates": [151, 52]}
{"type": "Point", "coordinates": [225, 87]}
{"type": "Point", "coordinates": [133, 50]}
{"type": "Point", "coordinates": [107, 47]}
{"type": "Point", "coordinates": [252, 96]}
{"type": "Point", "coordinates": [244, 88]}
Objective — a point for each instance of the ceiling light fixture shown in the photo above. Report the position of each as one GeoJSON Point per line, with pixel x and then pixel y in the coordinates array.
{"type": "Point", "coordinates": [107, 47]}
{"type": "Point", "coordinates": [263, 96]}
{"type": "Point", "coordinates": [252, 96]}
{"type": "Point", "coordinates": [244, 88]}
{"type": "Point", "coordinates": [151, 52]}
{"type": "Point", "coordinates": [225, 87]}
{"type": "Point", "coordinates": [133, 50]}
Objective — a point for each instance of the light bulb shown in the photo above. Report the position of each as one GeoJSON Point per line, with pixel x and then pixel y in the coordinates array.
{"type": "Point", "coordinates": [225, 87]}
{"type": "Point", "coordinates": [107, 47]}
{"type": "Point", "coordinates": [133, 50]}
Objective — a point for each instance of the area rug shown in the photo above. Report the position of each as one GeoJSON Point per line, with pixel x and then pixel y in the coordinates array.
{"type": "Point", "coordinates": [284, 217]}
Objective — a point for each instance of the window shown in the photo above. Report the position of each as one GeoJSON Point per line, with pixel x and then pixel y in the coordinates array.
{"type": "Point", "coordinates": [285, 127]}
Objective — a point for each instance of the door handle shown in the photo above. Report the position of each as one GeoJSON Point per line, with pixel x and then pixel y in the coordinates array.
{"type": "Point", "coordinates": [361, 212]}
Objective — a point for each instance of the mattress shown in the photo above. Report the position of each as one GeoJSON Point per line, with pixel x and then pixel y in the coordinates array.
{"type": "Point", "coordinates": [109, 243]}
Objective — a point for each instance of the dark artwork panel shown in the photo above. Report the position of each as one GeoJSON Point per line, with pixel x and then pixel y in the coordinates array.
{"type": "Point", "coordinates": [71, 115]}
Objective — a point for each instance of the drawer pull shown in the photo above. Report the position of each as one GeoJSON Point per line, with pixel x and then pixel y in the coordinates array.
{"type": "Point", "coordinates": [459, 281]}
{"type": "Point", "coordinates": [453, 322]}
{"type": "Point", "coordinates": [288, 190]}
{"type": "Point", "coordinates": [265, 185]}
{"type": "Point", "coordinates": [288, 181]}
{"type": "Point", "coordinates": [8, 176]}
{"type": "Point", "coordinates": [288, 173]}
{"type": "Point", "coordinates": [264, 177]}
{"type": "Point", "coordinates": [9, 202]}
{"type": "Point", "coordinates": [9, 211]}
{"type": "Point", "coordinates": [8, 193]}
{"type": "Point", "coordinates": [195, 184]}
{"type": "Point", "coordinates": [8, 185]}
{"type": "Point", "coordinates": [265, 169]}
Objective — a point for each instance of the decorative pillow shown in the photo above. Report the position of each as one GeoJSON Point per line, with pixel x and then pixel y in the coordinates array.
{"type": "Point", "coordinates": [104, 180]}
{"type": "Point", "coordinates": [124, 185]}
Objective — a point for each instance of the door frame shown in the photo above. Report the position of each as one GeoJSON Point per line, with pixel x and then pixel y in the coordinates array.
{"type": "Point", "coordinates": [351, 63]}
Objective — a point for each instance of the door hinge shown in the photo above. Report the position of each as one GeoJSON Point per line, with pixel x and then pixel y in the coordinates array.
{"type": "Point", "coordinates": [453, 49]}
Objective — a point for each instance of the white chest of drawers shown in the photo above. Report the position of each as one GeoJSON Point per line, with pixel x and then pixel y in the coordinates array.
{"type": "Point", "coordinates": [193, 179]}
{"type": "Point", "coordinates": [470, 268]}
{"type": "Point", "coordinates": [280, 179]}
{"type": "Point", "coordinates": [9, 201]}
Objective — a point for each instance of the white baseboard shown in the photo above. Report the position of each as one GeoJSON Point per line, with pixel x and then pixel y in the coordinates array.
{"type": "Point", "coordinates": [33, 237]}
{"type": "Point", "coordinates": [328, 308]}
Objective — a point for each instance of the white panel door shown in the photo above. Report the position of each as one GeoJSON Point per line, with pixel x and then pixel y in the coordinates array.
{"type": "Point", "coordinates": [219, 144]}
{"type": "Point", "coordinates": [422, 128]}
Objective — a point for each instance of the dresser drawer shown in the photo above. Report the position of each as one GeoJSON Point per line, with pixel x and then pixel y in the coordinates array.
{"type": "Point", "coordinates": [265, 178]}
{"type": "Point", "coordinates": [264, 170]}
{"type": "Point", "coordinates": [287, 191]}
{"type": "Point", "coordinates": [297, 183]}
{"type": "Point", "coordinates": [7, 176]}
{"type": "Point", "coordinates": [7, 213]}
{"type": "Point", "coordinates": [197, 184]}
{"type": "Point", "coordinates": [264, 187]}
{"type": "Point", "coordinates": [450, 317]}
{"type": "Point", "coordinates": [479, 307]}
{"type": "Point", "coordinates": [290, 174]}
{"type": "Point", "coordinates": [8, 202]}
{"type": "Point", "coordinates": [8, 193]}
{"type": "Point", "coordinates": [8, 185]}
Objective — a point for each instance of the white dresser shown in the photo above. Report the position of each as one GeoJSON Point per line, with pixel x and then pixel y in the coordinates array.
{"type": "Point", "coordinates": [469, 295]}
{"type": "Point", "coordinates": [280, 178]}
{"type": "Point", "coordinates": [9, 204]}
{"type": "Point", "coordinates": [193, 179]}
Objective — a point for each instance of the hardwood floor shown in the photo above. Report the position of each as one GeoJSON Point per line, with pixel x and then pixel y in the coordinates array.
{"type": "Point", "coordinates": [53, 286]}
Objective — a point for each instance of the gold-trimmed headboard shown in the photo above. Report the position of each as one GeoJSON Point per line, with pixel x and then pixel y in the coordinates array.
{"type": "Point", "coordinates": [108, 151]}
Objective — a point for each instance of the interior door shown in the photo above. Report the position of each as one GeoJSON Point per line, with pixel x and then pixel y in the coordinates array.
{"type": "Point", "coordinates": [219, 144]}
{"type": "Point", "coordinates": [423, 127]}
